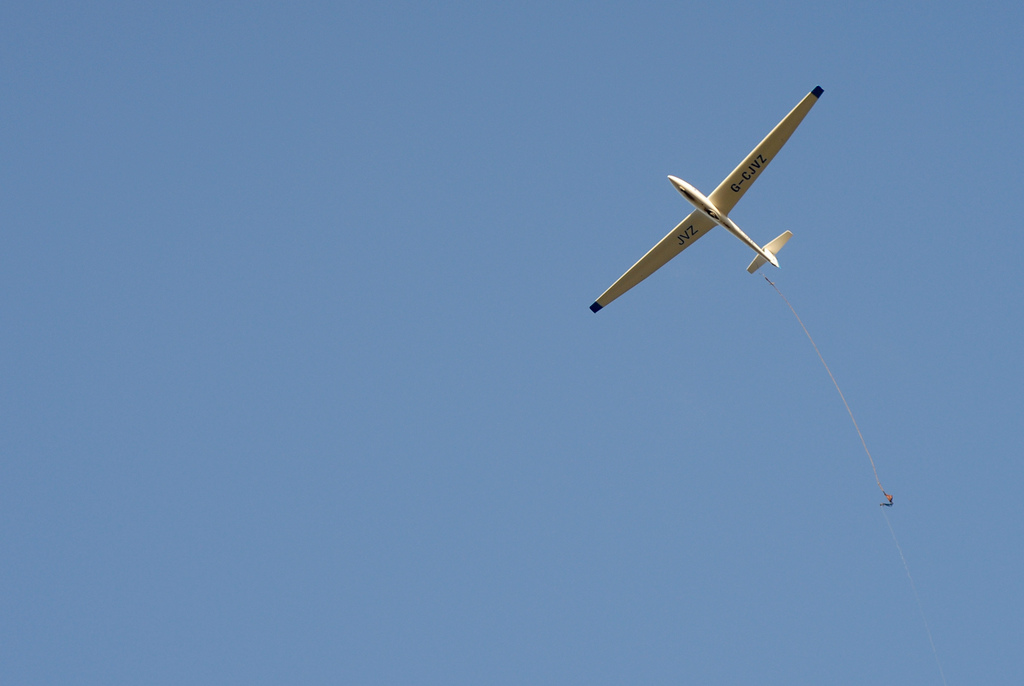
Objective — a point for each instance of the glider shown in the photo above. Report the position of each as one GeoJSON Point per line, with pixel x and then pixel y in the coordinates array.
{"type": "Point", "coordinates": [714, 209]}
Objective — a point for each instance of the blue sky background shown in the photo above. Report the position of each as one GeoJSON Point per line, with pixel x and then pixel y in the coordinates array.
{"type": "Point", "coordinates": [300, 383]}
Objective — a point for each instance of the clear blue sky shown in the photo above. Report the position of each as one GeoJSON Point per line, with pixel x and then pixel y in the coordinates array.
{"type": "Point", "coordinates": [300, 383]}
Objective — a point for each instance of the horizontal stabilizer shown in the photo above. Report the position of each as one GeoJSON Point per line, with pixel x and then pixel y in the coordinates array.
{"type": "Point", "coordinates": [773, 247]}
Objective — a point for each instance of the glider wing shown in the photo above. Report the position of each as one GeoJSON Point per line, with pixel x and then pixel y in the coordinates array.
{"type": "Point", "coordinates": [679, 239]}
{"type": "Point", "coordinates": [742, 177]}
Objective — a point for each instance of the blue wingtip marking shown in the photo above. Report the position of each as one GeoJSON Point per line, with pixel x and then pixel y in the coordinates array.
{"type": "Point", "coordinates": [818, 90]}
{"type": "Point", "coordinates": [595, 307]}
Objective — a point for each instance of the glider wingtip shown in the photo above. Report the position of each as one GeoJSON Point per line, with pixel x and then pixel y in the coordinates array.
{"type": "Point", "coordinates": [818, 90]}
{"type": "Point", "coordinates": [595, 307]}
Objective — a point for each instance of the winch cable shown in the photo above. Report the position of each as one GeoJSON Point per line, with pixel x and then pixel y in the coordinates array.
{"type": "Point", "coordinates": [836, 384]}
{"type": "Point", "coordinates": [899, 548]}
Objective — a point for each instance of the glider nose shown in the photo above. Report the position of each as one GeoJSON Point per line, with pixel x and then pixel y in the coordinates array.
{"type": "Point", "coordinates": [685, 189]}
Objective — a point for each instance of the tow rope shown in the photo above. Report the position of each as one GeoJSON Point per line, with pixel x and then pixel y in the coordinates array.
{"type": "Point", "coordinates": [843, 397]}
{"type": "Point", "coordinates": [888, 497]}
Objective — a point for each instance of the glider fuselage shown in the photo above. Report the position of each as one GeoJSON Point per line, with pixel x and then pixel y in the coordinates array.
{"type": "Point", "coordinates": [707, 208]}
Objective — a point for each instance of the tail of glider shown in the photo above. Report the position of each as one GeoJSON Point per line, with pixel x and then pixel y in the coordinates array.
{"type": "Point", "coordinates": [772, 247]}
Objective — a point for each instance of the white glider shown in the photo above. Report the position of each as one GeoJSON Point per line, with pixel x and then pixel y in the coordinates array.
{"type": "Point", "coordinates": [715, 208]}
